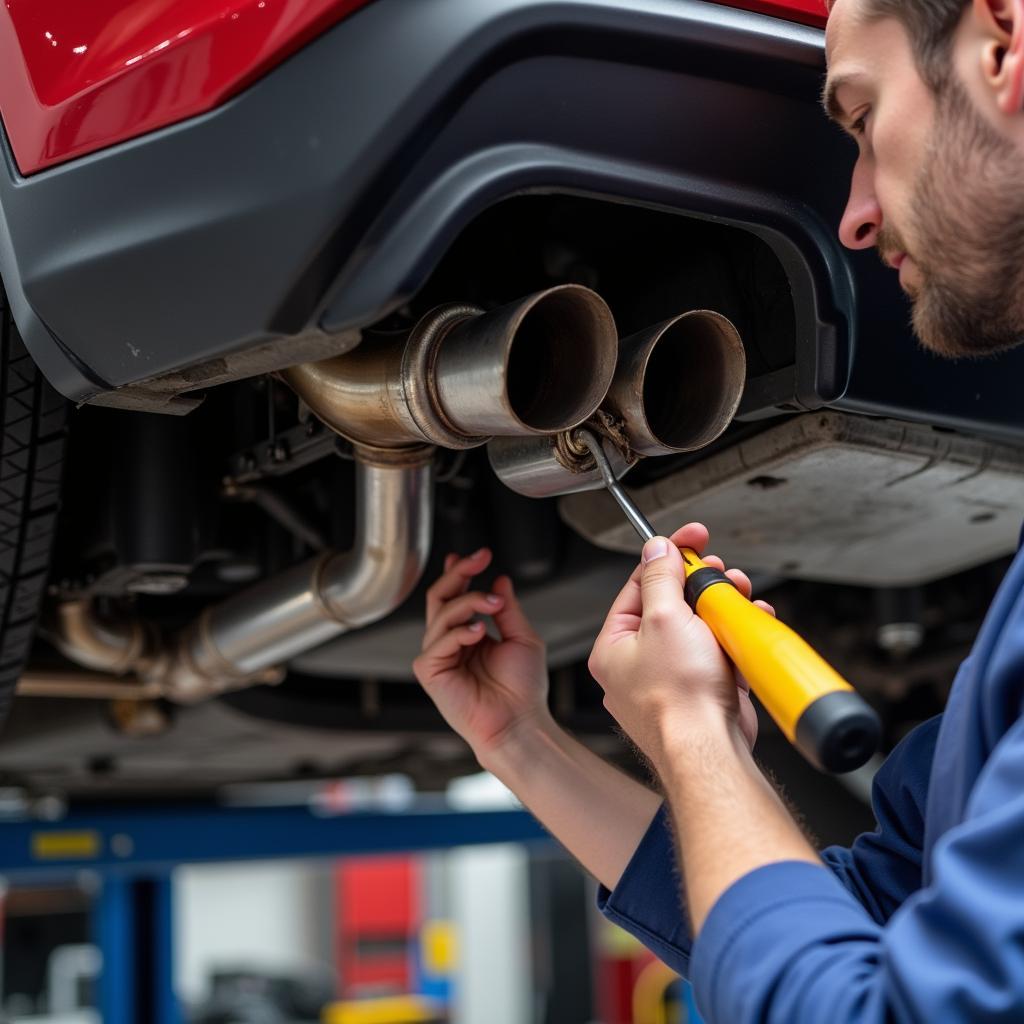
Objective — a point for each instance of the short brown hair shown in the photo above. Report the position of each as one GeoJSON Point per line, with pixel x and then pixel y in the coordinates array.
{"type": "Point", "coordinates": [930, 24]}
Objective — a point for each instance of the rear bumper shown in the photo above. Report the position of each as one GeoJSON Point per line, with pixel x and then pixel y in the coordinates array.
{"type": "Point", "coordinates": [325, 194]}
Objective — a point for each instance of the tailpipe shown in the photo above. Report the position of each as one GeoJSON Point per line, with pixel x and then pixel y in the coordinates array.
{"type": "Point", "coordinates": [676, 388]}
{"type": "Point", "coordinates": [537, 366]}
{"type": "Point", "coordinates": [678, 385]}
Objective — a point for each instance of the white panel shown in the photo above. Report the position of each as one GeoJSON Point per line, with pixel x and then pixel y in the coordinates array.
{"type": "Point", "coordinates": [261, 916]}
{"type": "Point", "coordinates": [490, 907]}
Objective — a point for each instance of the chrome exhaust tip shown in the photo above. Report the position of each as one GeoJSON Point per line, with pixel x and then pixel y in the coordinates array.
{"type": "Point", "coordinates": [678, 385]}
{"type": "Point", "coordinates": [538, 366]}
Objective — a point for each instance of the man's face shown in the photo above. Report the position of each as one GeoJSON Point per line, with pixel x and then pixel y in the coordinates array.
{"type": "Point", "coordinates": [936, 188]}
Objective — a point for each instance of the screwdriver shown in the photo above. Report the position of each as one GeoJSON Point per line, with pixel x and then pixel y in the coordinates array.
{"type": "Point", "coordinates": [817, 710]}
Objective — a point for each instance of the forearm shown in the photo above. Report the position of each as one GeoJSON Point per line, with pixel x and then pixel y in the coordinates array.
{"type": "Point", "coordinates": [729, 820]}
{"type": "Point", "coordinates": [598, 813]}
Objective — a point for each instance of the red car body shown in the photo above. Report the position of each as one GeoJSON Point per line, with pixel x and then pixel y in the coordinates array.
{"type": "Point", "coordinates": [76, 78]}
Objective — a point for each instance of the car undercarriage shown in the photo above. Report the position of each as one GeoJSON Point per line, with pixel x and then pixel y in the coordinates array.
{"type": "Point", "coordinates": [286, 350]}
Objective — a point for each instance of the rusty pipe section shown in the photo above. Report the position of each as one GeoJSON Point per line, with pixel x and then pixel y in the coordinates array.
{"type": "Point", "coordinates": [537, 366]}
{"type": "Point", "coordinates": [242, 641]}
{"type": "Point", "coordinates": [85, 686]}
{"type": "Point", "coordinates": [676, 388]}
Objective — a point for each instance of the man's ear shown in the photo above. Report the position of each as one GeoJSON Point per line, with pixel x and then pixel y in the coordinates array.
{"type": "Point", "coordinates": [1002, 57]}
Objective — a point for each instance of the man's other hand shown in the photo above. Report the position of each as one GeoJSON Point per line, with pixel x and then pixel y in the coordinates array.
{"type": "Point", "coordinates": [487, 689]}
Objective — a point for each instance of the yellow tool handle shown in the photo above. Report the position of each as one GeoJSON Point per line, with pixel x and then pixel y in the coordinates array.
{"type": "Point", "coordinates": [817, 710]}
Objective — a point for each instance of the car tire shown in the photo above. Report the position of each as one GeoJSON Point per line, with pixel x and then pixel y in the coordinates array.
{"type": "Point", "coordinates": [33, 430]}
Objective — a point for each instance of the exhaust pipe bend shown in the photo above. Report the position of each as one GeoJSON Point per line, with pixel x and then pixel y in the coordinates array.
{"type": "Point", "coordinates": [311, 603]}
{"type": "Point", "coordinates": [114, 647]}
{"type": "Point", "coordinates": [537, 366]}
{"type": "Point", "coordinates": [241, 641]}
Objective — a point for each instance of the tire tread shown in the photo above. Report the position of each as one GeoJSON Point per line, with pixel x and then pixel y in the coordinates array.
{"type": "Point", "coordinates": [33, 435]}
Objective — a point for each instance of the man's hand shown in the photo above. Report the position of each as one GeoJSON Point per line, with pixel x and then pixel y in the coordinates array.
{"type": "Point", "coordinates": [673, 690]}
{"type": "Point", "coordinates": [494, 693]}
{"type": "Point", "coordinates": [486, 689]}
{"type": "Point", "coordinates": [660, 666]}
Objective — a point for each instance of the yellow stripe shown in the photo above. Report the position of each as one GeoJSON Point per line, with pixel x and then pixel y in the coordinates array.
{"type": "Point", "coordinates": [66, 845]}
{"type": "Point", "coordinates": [399, 1010]}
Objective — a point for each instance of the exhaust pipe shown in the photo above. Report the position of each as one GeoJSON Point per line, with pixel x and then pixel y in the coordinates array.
{"type": "Point", "coordinates": [678, 385]}
{"type": "Point", "coordinates": [251, 633]}
{"type": "Point", "coordinates": [462, 376]}
{"type": "Point", "coordinates": [676, 388]}
{"type": "Point", "coordinates": [242, 641]}
{"type": "Point", "coordinates": [537, 366]}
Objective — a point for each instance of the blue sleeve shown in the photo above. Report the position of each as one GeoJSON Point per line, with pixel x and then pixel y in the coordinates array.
{"type": "Point", "coordinates": [881, 869]}
{"type": "Point", "coordinates": [788, 944]}
{"type": "Point", "coordinates": [648, 901]}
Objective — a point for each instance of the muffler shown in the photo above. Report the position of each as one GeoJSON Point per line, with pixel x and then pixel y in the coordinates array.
{"type": "Point", "coordinates": [676, 388]}
{"type": "Point", "coordinates": [537, 366]}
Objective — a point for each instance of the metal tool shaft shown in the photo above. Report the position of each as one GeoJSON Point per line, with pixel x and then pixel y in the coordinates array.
{"type": "Point", "coordinates": [633, 514]}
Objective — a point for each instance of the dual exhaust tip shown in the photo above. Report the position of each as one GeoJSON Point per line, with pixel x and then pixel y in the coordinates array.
{"type": "Point", "coordinates": [523, 376]}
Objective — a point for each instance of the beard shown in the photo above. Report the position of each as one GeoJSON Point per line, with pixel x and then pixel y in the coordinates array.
{"type": "Point", "coordinates": [967, 222]}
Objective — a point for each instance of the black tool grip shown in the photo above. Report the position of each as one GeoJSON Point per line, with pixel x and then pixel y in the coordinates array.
{"type": "Point", "coordinates": [838, 732]}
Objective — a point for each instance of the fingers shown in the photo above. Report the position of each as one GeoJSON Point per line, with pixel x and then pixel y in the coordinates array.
{"type": "Point", "coordinates": [661, 584]}
{"type": "Point", "coordinates": [693, 535]}
{"type": "Point", "coordinates": [628, 606]}
{"type": "Point", "coordinates": [509, 616]}
{"type": "Point", "coordinates": [446, 650]}
{"type": "Point", "coordinates": [459, 611]}
{"type": "Point", "coordinates": [457, 576]}
{"type": "Point", "coordinates": [741, 581]}
{"type": "Point", "coordinates": [624, 614]}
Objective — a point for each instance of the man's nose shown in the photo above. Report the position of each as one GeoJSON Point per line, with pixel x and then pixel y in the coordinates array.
{"type": "Point", "coordinates": [863, 217]}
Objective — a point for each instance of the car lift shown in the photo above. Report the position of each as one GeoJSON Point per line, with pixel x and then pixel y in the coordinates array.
{"type": "Point", "coordinates": [133, 849]}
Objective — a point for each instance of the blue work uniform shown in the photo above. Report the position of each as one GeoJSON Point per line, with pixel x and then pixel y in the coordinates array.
{"type": "Point", "coordinates": [921, 920]}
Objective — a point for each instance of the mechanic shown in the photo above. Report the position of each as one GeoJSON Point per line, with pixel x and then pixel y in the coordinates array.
{"type": "Point", "coordinates": [923, 919]}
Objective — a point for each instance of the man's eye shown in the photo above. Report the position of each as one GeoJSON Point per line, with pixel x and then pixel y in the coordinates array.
{"type": "Point", "coordinates": [859, 126]}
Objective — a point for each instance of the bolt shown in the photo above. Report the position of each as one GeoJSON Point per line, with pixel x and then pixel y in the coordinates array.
{"type": "Point", "coordinates": [900, 638]}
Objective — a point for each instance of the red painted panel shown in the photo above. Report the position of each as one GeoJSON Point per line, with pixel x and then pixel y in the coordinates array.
{"type": "Point", "coordinates": [377, 903]}
{"type": "Point", "coordinates": [810, 12]}
{"type": "Point", "coordinates": [78, 75]}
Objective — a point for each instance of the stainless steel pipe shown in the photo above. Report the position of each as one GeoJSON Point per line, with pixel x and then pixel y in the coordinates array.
{"type": "Point", "coordinates": [536, 366]}
{"type": "Point", "coordinates": [242, 641]}
{"type": "Point", "coordinates": [322, 598]}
